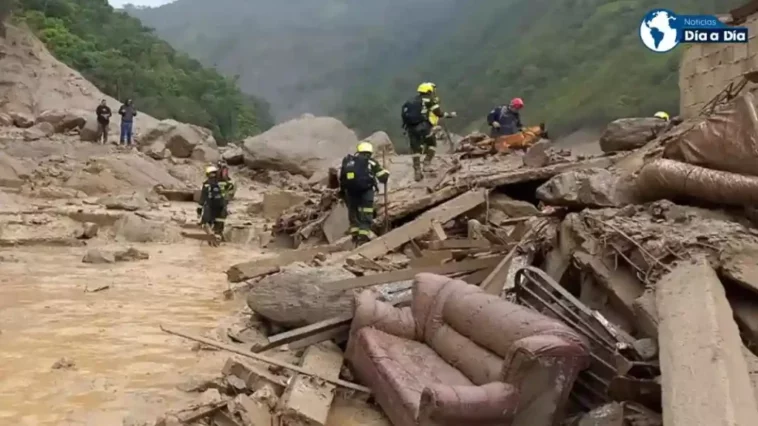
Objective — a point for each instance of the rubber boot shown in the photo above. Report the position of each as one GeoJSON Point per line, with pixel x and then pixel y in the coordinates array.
{"type": "Point", "coordinates": [417, 174]}
{"type": "Point", "coordinates": [428, 159]}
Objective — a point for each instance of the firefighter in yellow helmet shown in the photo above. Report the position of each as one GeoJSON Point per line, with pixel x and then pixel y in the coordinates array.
{"type": "Point", "coordinates": [662, 115]}
{"type": "Point", "coordinates": [213, 203]}
{"type": "Point", "coordinates": [358, 185]}
{"type": "Point", "coordinates": [420, 115]}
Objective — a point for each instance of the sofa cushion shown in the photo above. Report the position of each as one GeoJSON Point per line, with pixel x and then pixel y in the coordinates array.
{"type": "Point", "coordinates": [408, 366]}
{"type": "Point", "coordinates": [477, 363]}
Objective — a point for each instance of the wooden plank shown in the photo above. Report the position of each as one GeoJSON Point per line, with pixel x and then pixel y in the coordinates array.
{"type": "Point", "coordinates": [408, 274]}
{"type": "Point", "coordinates": [244, 272]}
{"type": "Point", "coordinates": [494, 283]}
{"type": "Point", "coordinates": [338, 335]}
{"type": "Point", "coordinates": [431, 258]}
{"type": "Point", "coordinates": [319, 328]}
{"type": "Point", "coordinates": [418, 227]}
{"type": "Point", "coordinates": [267, 360]}
{"type": "Point", "coordinates": [476, 278]}
{"type": "Point", "coordinates": [439, 232]}
{"type": "Point", "coordinates": [305, 401]}
{"type": "Point", "coordinates": [458, 244]}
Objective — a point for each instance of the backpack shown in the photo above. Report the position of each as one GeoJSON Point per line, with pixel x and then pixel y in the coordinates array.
{"type": "Point", "coordinates": [215, 198]}
{"type": "Point", "coordinates": [355, 175]}
{"type": "Point", "coordinates": [413, 112]}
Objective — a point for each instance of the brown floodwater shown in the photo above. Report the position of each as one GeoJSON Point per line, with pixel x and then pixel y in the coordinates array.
{"type": "Point", "coordinates": [124, 364]}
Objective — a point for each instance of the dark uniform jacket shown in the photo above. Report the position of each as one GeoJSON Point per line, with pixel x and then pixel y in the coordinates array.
{"type": "Point", "coordinates": [510, 120]}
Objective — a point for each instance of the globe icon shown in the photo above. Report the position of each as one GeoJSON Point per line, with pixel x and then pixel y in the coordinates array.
{"type": "Point", "coordinates": [658, 30]}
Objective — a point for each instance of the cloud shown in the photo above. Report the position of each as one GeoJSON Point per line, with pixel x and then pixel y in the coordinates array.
{"type": "Point", "coordinates": [121, 3]}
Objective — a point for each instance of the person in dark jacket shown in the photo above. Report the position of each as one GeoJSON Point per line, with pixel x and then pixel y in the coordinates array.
{"type": "Point", "coordinates": [103, 113]}
{"type": "Point", "coordinates": [358, 186]}
{"type": "Point", "coordinates": [213, 204]}
{"type": "Point", "coordinates": [127, 112]}
{"type": "Point", "coordinates": [506, 120]}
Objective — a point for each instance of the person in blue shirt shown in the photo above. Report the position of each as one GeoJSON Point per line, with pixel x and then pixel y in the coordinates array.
{"type": "Point", "coordinates": [506, 120]}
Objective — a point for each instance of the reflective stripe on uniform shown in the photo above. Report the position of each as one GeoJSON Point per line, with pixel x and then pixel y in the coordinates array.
{"type": "Point", "coordinates": [350, 175]}
{"type": "Point", "coordinates": [367, 209]}
{"type": "Point", "coordinates": [431, 148]}
{"type": "Point", "coordinates": [364, 232]}
{"type": "Point", "coordinates": [382, 173]}
{"type": "Point", "coordinates": [372, 163]}
{"type": "Point", "coordinates": [353, 230]}
{"type": "Point", "coordinates": [220, 220]}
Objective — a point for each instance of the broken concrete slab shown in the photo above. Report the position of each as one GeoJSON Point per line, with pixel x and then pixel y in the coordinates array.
{"type": "Point", "coordinates": [306, 401]}
{"type": "Point", "coordinates": [276, 202]}
{"type": "Point", "coordinates": [704, 377]}
{"type": "Point", "coordinates": [746, 313]}
{"type": "Point", "coordinates": [98, 257]}
{"type": "Point", "coordinates": [511, 207]}
{"type": "Point", "coordinates": [646, 314]}
{"type": "Point", "coordinates": [336, 224]}
{"type": "Point", "coordinates": [741, 267]}
{"type": "Point", "coordinates": [255, 378]}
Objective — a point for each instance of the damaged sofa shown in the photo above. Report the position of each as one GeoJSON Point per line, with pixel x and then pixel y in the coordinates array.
{"type": "Point", "coordinates": [458, 356]}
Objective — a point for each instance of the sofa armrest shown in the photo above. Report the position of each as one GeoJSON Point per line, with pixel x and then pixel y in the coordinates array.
{"type": "Point", "coordinates": [544, 368]}
{"type": "Point", "coordinates": [495, 401]}
{"type": "Point", "coordinates": [370, 312]}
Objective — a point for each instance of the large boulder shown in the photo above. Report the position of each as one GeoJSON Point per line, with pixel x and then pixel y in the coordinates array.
{"type": "Point", "coordinates": [511, 207]}
{"type": "Point", "coordinates": [136, 229]}
{"type": "Point", "coordinates": [627, 134]}
{"type": "Point", "coordinates": [13, 172]}
{"type": "Point", "coordinates": [581, 188]}
{"type": "Point", "coordinates": [302, 146]}
{"type": "Point", "coordinates": [233, 155]}
{"type": "Point", "coordinates": [205, 154]}
{"type": "Point", "coordinates": [38, 131]}
{"type": "Point", "coordinates": [5, 120]}
{"type": "Point", "coordinates": [300, 295]}
{"type": "Point", "coordinates": [157, 150]}
{"type": "Point", "coordinates": [381, 142]}
{"type": "Point", "coordinates": [63, 120]}
{"type": "Point", "coordinates": [89, 132]}
{"type": "Point", "coordinates": [128, 202]}
{"type": "Point", "coordinates": [179, 138]}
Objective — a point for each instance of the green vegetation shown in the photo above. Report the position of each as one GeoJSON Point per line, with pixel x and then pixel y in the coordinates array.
{"type": "Point", "coordinates": [576, 63]}
{"type": "Point", "coordinates": [124, 59]}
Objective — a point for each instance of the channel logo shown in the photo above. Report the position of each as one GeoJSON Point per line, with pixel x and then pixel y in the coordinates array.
{"type": "Point", "coordinates": [661, 30]}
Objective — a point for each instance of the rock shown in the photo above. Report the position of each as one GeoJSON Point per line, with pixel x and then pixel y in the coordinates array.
{"type": "Point", "coordinates": [581, 188]}
{"type": "Point", "coordinates": [135, 229]}
{"type": "Point", "coordinates": [302, 146]}
{"type": "Point", "coordinates": [233, 155]}
{"type": "Point", "coordinates": [131, 255]}
{"type": "Point", "coordinates": [22, 120]}
{"type": "Point", "coordinates": [512, 208]}
{"type": "Point", "coordinates": [97, 257]}
{"type": "Point", "coordinates": [608, 415]}
{"type": "Point", "coordinates": [300, 295]}
{"type": "Point", "coordinates": [63, 120]}
{"type": "Point", "coordinates": [536, 156]}
{"type": "Point", "coordinates": [381, 141]}
{"type": "Point", "coordinates": [56, 193]}
{"type": "Point", "coordinates": [241, 234]}
{"type": "Point", "coordinates": [210, 397]}
{"type": "Point", "coordinates": [5, 120]}
{"type": "Point", "coordinates": [274, 203]}
{"type": "Point", "coordinates": [179, 138]}
{"type": "Point", "coordinates": [130, 202]}
{"type": "Point", "coordinates": [89, 132]}
{"type": "Point", "coordinates": [156, 150]}
{"type": "Point", "coordinates": [13, 172]}
{"type": "Point", "coordinates": [64, 364]}
{"type": "Point", "coordinates": [38, 131]}
{"type": "Point", "coordinates": [87, 232]}
{"type": "Point", "coordinates": [627, 134]}
{"type": "Point", "coordinates": [205, 154]}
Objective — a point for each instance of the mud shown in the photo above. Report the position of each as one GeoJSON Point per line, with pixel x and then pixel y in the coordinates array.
{"type": "Point", "coordinates": [123, 362]}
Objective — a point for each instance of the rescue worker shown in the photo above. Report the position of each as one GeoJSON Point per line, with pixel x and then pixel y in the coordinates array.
{"type": "Point", "coordinates": [420, 116]}
{"type": "Point", "coordinates": [213, 205]}
{"type": "Point", "coordinates": [227, 186]}
{"type": "Point", "coordinates": [506, 120]}
{"type": "Point", "coordinates": [358, 185]}
{"type": "Point", "coordinates": [662, 115]}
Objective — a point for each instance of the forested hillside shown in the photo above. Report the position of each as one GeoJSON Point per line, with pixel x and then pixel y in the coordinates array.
{"type": "Point", "coordinates": [302, 55]}
{"type": "Point", "coordinates": [124, 59]}
{"type": "Point", "coordinates": [576, 63]}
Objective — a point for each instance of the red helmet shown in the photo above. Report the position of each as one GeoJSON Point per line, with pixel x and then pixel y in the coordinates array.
{"type": "Point", "coordinates": [517, 103]}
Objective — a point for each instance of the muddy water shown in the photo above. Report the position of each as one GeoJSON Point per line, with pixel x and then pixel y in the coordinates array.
{"type": "Point", "coordinates": [123, 362]}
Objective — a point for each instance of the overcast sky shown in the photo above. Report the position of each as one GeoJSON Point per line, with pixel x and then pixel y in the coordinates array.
{"type": "Point", "coordinates": [120, 3]}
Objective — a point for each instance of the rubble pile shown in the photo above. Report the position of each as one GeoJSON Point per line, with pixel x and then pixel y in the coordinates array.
{"type": "Point", "coordinates": [662, 284]}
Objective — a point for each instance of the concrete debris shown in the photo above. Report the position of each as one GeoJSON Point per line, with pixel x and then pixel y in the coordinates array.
{"type": "Point", "coordinates": [64, 364]}
{"type": "Point", "coordinates": [95, 256]}
{"type": "Point", "coordinates": [705, 378]}
{"type": "Point", "coordinates": [590, 187]}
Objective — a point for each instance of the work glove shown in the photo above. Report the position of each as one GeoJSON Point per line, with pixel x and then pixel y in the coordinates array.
{"type": "Point", "coordinates": [495, 124]}
{"type": "Point", "coordinates": [199, 211]}
{"type": "Point", "coordinates": [451, 114]}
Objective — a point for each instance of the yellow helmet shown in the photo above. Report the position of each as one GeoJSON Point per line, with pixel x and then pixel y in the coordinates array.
{"type": "Point", "coordinates": [662, 115]}
{"type": "Point", "coordinates": [426, 88]}
{"type": "Point", "coordinates": [210, 170]}
{"type": "Point", "coordinates": [365, 147]}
